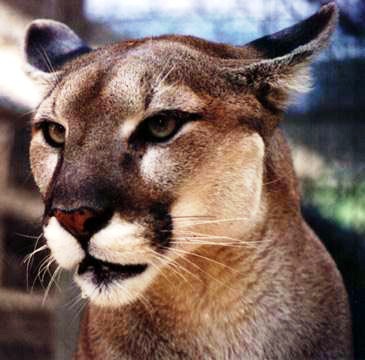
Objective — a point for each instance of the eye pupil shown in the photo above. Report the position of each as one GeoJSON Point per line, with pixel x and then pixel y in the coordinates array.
{"type": "Point", "coordinates": [162, 127]}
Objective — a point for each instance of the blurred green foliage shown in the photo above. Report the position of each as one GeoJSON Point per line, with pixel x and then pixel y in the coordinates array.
{"type": "Point", "coordinates": [338, 196]}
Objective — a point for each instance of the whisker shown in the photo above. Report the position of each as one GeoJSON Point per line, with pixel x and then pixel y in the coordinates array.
{"type": "Point", "coordinates": [224, 284]}
{"type": "Point", "coordinates": [58, 277]}
{"type": "Point", "coordinates": [146, 304]}
{"type": "Point", "coordinates": [184, 240]}
{"type": "Point", "coordinates": [83, 303]}
{"type": "Point", "coordinates": [30, 255]}
{"type": "Point", "coordinates": [76, 308]}
{"type": "Point", "coordinates": [209, 236]}
{"type": "Point", "coordinates": [48, 268]}
{"type": "Point", "coordinates": [274, 181]}
{"type": "Point", "coordinates": [217, 221]}
{"type": "Point", "coordinates": [49, 64]}
{"type": "Point", "coordinates": [26, 113]}
{"type": "Point", "coordinates": [73, 302]}
{"type": "Point", "coordinates": [27, 236]}
{"type": "Point", "coordinates": [204, 235]}
{"type": "Point", "coordinates": [42, 270]}
{"type": "Point", "coordinates": [53, 278]}
{"type": "Point", "coordinates": [42, 266]}
{"type": "Point", "coordinates": [193, 217]}
{"type": "Point", "coordinates": [201, 270]}
{"type": "Point", "coordinates": [30, 262]}
{"type": "Point", "coordinates": [206, 258]}
{"type": "Point", "coordinates": [160, 270]}
{"type": "Point", "coordinates": [162, 77]}
{"type": "Point", "coordinates": [176, 267]}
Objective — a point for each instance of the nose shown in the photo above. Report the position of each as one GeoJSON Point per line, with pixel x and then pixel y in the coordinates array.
{"type": "Point", "coordinates": [82, 222]}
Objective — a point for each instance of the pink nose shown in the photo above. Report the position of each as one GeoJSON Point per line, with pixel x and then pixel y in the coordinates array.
{"type": "Point", "coordinates": [78, 222]}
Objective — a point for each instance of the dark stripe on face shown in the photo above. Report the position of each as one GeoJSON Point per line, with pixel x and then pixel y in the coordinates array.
{"type": "Point", "coordinates": [162, 226]}
{"type": "Point", "coordinates": [49, 193]}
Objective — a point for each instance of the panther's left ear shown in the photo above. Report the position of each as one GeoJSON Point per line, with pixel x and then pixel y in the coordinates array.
{"type": "Point", "coordinates": [49, 44]}
{"type": "Point", "coordinates": [281, 64]}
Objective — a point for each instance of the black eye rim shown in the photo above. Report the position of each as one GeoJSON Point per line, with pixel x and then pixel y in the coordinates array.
{"type": "Point", "coordinates": [143, 135]}
{"type": "Point", "coordinates": [44, 127]}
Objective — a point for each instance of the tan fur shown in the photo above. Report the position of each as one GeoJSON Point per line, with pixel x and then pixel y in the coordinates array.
{"type": "Point", "coordinates": [243, 277]}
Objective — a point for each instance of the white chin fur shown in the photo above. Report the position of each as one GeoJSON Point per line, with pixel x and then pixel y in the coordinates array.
{"type": "Point", "coordinates": [120, 242]}
{"type": "Point", "coordinates": [64, 247]}
{"type": "Point", "coordinates": [118, 292]}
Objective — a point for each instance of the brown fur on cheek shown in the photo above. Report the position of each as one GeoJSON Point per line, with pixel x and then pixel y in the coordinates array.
{"type": "Point", "coordinates": [167, 166]}
{"type": "Point", "coordinates": [228, 188]}
{"type": "Point", "coordinates": [43, 162]}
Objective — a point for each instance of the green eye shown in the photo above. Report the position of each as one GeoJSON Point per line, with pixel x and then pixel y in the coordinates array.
{"type": "Point", "coordinates": [162, 127]}
{"type": "Point", "coordinates": [54, 133]}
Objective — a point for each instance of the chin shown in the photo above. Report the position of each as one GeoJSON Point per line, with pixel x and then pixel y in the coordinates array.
{"type": "Point", "coordinates": [113, 285]}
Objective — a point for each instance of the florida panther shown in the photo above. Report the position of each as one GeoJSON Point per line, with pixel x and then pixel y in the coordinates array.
{"type": "Point", "coordinates": [169, 190]}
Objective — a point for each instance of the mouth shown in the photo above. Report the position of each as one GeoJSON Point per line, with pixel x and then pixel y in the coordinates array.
{"type": "Point", "coordinates": [103, 272]}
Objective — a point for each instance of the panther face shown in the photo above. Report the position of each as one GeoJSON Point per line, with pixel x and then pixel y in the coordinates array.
{"type": "Point", "coordinates": [147, 150]}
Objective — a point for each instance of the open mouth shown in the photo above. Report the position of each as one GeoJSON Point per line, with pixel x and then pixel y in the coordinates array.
{"type": "Point", "coordinates": [105, 272]}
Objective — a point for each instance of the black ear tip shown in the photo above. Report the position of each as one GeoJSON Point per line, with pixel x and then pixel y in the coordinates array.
{"type": "Point", "coordinates": [329, 10]}
{"type": "Point", "coordinates": [330, 7]}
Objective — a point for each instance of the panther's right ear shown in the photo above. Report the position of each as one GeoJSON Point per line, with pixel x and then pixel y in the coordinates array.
{"type": "Point", "coordinates": [49, 44]}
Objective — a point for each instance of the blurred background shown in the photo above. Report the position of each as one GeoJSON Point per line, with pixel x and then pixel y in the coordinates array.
{"type": "Point", "coordinates": [326, 128]}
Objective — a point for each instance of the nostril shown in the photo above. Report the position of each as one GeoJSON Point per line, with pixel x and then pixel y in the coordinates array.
{"type": "Point", "coordinates": [82, 222]}
{"type": "Point", "coordinates": [98, 221]}
{"type": "Point", "coordinates": [93, 224]}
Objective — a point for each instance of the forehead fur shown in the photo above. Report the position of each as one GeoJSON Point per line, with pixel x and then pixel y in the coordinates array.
{"type": "Point", "coordinates": [144, 63]}
{"type": "Point", "coordinates": [128, 89]}
{"type": "Point", "coordinates": [176, 46]}
{"type": "Point", "coordinates": [132, 77]}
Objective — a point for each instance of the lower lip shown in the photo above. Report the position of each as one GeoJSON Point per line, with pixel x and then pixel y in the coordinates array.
{"type": "Point", "coordinates": [103, 272]}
